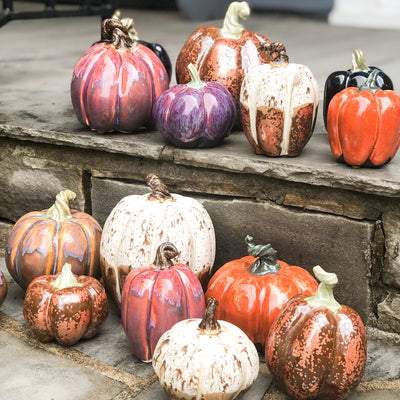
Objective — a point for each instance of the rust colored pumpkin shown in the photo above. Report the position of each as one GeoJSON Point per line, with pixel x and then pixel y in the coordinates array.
{"type": "Point", "coordinates": [252, 290]}
{"type": "Point", "coordinates": [223, 55]}
{"type": "Point", "coordinates": [65, 307]}
{"type": "Point", "coordinates": [3, 288]}
{"type": "Point", "coordinates": [41, 242]}
{"type": "Point", "coordinates": [316, 348]}
{"type": "Point", "coordinates": [156, 297]}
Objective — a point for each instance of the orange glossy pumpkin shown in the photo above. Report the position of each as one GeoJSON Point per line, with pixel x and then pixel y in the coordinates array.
{"type": "Point", "coordinates": [364, 124]}
{"type": "Point", "coordinates": [316, 348]}
{"type": "Point", "coordinates": [252, 290]}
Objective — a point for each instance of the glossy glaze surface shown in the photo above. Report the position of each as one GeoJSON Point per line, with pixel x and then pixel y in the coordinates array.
{"type": "Point", "coordinates": [3, 288]}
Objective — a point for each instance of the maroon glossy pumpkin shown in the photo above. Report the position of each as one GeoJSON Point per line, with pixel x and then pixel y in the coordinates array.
{"type": "Point", "coordinates": [116, 82]}
{"type": "Point", "coordinates": [3, 288]}
{"type": "Point", "coordinates": [155, 298]}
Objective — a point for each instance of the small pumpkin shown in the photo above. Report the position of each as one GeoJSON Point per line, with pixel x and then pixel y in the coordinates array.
{"type": "Point", "coordinates": [156, 297]}
{"type": "Point", "coordinates": [207, 359]}
{"type": "Point", "coordinates": [196, 114]}
{"type": "Point", "coordinates": [316, 348]}
{"type": "Point", "coordinates": [252, 290]}
{"type": "Point", "coordinates": [139, 223]}
{"type": "Point", "coordinates": [65, 307]}
{"type": "Point", "coordinates": [3, 288]}
{"type": "Point", "coordinates": [41, 242]}
{"type": "Point", "coordinates": [116, 82]}
{"type": "Point", "coordinates": [278, 105]}
{"type": "Point", "coordinates": [364, 124]}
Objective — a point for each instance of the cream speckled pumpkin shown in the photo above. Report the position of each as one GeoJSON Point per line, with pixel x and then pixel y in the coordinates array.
{"type": "Point", "coordinates": [138, 224]}
{"type": "Point", "coordinates": [205, 359]}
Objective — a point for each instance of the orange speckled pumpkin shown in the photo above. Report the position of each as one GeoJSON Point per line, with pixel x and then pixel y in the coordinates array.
{"type": "Point", "coordinates": [41, 242]}
{"type": "Point", "coordinates": [65, 307]}
{"type": "Point", "coordinates": [252, 290]}
{"type": "Point", "coordinates": [3, 288]}
{"type": "Point", "coordinates": [316, 348]}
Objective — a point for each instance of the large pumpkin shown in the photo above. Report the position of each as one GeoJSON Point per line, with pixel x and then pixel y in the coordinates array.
{"type": "Point", "coordinates": [252, 290]}
{"type": "Point", "coordinates": [116, 82]}
{"type": "Point", "coordinates": [138, 224]}
{"type": "Point", "coordinates": [41, 242]}
{"type": "Point", "coordinates": [316, 348]}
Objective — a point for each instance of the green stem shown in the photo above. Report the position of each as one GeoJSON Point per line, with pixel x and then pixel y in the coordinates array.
{"type": "Point", "coordinates": [196, 82]}
{"type": "Point", "coordinates": [370, 83]}
{"type": "Point", "coordinates": [232, 28]}
{"type": "Point", "coordinates": [65, 279]}
{"type": "Point", "coordinates": [60, 210]}
{"type": "Point", "coordinates": [358, 61]}
{"type": "Point", "coordinates": [266, 263]}
{"type": "Point", "coordinates": [324, 295]}
{"type": "Point", "coordinates": [209, 324]}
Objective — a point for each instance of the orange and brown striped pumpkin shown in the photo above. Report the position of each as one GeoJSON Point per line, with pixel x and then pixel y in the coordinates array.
{"type": "Point", "coordinates": [41, 242]}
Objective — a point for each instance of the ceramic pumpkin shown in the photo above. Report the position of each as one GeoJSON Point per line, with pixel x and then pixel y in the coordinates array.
{"type": "Point", "coordinates": [156, 297]}
{"type": "Point", "coordinates": [252, 290]}
{"type": "Point", "coordinates": [41, 242]}
{"type": "Point", "coordinates": [65, 307]}
{"type": "Point", "coordinates": [278, 105]}
{"type": "Point", "coordinates": [316, 348]}
{"type": "Point", "coordinates": [205, 359]}
{"type": "Point", "coordinates": [364, 124]}
{"type": "Point", "coordinates": [116, 82]}
{"type": "Point", "coordinates": [223, 55]}
{"type": "Point", "coordinates": [139, 223]}
{"type": "Point", "coordinates": [196, 114]}
{"type": "Point", "coordinates": [3, 288]}
{"type": "Point", "coordinates": [354, 77]}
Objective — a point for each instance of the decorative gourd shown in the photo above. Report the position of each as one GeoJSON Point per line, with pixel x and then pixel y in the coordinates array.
{"type": "Point", "coordinates": [139, 223]}
{"type": "Point", "coordinates": [41, 242]}
{"type": "Point", "coordinates": [65, 307]}
{"type": "Point", "coordinates": [197, 114]}
{"type": "Point", "coordinates": [223, 55]}
{"type": "Point", "coordinates": [116, 82]}
{"type": "Point", "coordinates": [364, 124]}
{"type": "Point", "coordinates": [3, 288]}
{"type": "Point", "coordinates": [354, 77]}
{"type": "Point", "coordinates": [252, 290]}
{"type": "Point", "coordinates": [316, 348]}
{"type": "Point", "coordinates": [156, 297]}
{"type": "Point", "coordinates": [205, 359]}
{"type": "Point", "coordinates": [278, 105]}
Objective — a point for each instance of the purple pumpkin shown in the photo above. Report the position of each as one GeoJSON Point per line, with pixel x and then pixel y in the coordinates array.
{"type": "Point", "coordinates": [196, 114]}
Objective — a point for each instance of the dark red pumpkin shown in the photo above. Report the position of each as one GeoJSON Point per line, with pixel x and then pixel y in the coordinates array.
{"type": "Point", "coordinates": [156, 297]}
{"type": "Point", "coordinates": [3, 288]}
{"type": "Point", "coordinates": [316, 348]}
{"type": "Point", "coordinates": [116, 82]}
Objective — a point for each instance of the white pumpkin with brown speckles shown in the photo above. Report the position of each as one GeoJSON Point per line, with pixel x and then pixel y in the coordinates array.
{"type": "Point", "coordinates": [205, 361]}
{"type": "Point", "coordinates": [138, 224]}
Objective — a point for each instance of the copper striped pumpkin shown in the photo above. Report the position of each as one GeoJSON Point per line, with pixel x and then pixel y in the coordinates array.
{"type": "Point", "coordinates": [41, 242]}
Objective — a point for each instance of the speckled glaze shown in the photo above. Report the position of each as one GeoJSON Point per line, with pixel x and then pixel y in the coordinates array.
{"type": "Point", "coordinates": [156, 297]}
{"type": "Point", "coordinates": [364, 125]}
{"type": "Point", "coordinates": [314, 352]}
{"type": "Point", "coordinates": [41, 242]}
{"type": "Point", "coordinates": [65, 315]}
{"type": "Point", "coordinates": [139, 223]}
{"type": "Point", "coordinates": [252, 299]}
{"type": "Point", "coordinates": [115, 83]}
{"type": "Point", "coordinates": [198, 115]}
{"type": "Point", "coordinates": [3, 288]}
{"type": "Point", "coordinates": [192, 363]}
{"type": "Point", "coordinates": [278, 105]}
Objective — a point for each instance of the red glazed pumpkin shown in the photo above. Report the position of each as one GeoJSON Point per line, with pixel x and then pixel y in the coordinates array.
{"type": "Point", "coordinates": [41, 242]}
{"type": "Point", "coordinates": [3, 288]}
{"type": "Point", "coordinates": [156, 297]}
{"type": "Point", "coordinates": [364, 124]}
{"type": "Point", "coordinates": [65, 307]}
{"type": "Point", "coordinates": [116, 82]}
{"type": "Point", "coordinates": [316, 348]}
{"type": "Point", "coordinates": [252, 290]}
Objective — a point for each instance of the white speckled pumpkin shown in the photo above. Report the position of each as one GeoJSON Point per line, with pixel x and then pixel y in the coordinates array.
{"type": "Point", "coordinates": [278, 105]}
{"type": "Point", "coordinates": [205, 359]}
{"type": "Point", "coordinates": [138, 224]}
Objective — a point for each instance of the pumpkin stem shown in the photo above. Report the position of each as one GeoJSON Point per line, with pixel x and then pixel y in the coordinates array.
{"type": "Point", "coordinates": [165, 253]}
{"type": "Point", "coordinates": [358, 61]}
{"type": "Point", "coordinates": [60, 210]}
{"type": "Point", "coordinates": [158, 188]}
{"type": "Point", "coordinates": [370, 83]}
{"type": "Point", "coordinates": [324, 295]}
{"type": "Point", "coordinates": [65, 279]}
{"type": "Point", "coordinates": [266, 263]}
{"type": "Point", "coordinates": [276, 52]}
{"type": "Point", "coordinates": [113, 30]}
{"type": "Point", "coordinates": [232, 28]}
{"type": "Point", "coordinates": [209, 324]}
{"type": "Point", "coordinates": [196, 82]}
{"type": "Point", "coordinates": [128, 23]}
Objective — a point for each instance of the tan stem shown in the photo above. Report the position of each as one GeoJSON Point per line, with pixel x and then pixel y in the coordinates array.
{"type": "Point", "coordinates": [159, 190]}
{"type": "Point", "coordinates": [232, 28]}
{"type": "Point", "coordinates": [166, 252]}
{"type": "Point", "coordinates": [60, 210]}
{"type": "Point", "coordinates": [128, 23]}
{"type": "Point", "coordinates": [65, 279]}
{"type": "Point", "coordinates": [209, 324]}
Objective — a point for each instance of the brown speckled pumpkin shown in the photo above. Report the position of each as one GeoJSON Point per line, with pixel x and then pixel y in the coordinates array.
{"type": "Point", "coordinates": [3, 288]}
{"type": "Point", "coordinates": [316, 348]}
